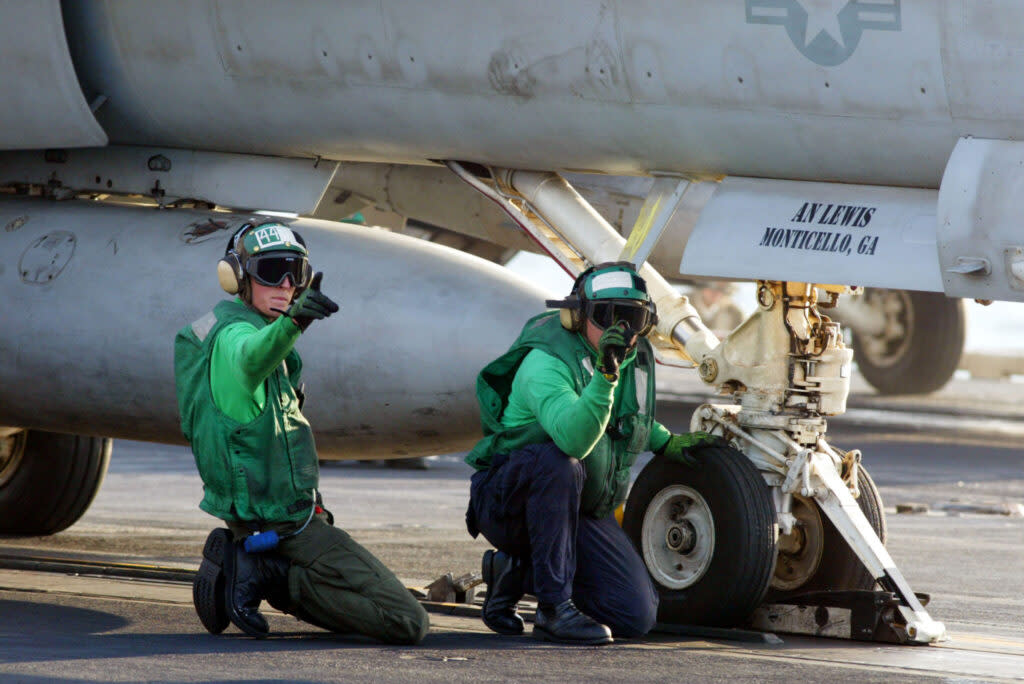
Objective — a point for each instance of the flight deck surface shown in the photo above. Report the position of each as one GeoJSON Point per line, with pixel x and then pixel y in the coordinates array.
{"type": "Point", "coordinates": [965, 547]}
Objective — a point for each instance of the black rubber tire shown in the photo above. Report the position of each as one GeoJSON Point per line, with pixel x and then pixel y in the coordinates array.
{"type": "Point", "coordinates": [743, 555]}
{"type": "Point", "coordinates": [51, 481]}
{"type": "Point", "coordinates": [927, 357]}
{"type": "Point", "coordinates": [840, 568]}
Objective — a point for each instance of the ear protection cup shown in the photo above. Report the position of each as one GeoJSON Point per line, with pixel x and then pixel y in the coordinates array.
{"type": "Point", "coordinates": [229, 269]}
{"type": "Point", "coordinates": [570, 312]}
{"type": "Point", "coordinates": [229, 273]}
{"type": "Point", "coordinates": [571, 319]}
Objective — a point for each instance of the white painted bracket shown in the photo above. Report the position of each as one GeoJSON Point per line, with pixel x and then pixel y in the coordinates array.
{"type": "Point", "coordinates": [838, 504]}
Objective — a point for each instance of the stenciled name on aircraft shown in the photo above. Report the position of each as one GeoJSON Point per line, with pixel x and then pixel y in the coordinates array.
{"type": "Point", "coordinates": [835, 214]}
{"type": "Point", "coordinates": [845, 215]}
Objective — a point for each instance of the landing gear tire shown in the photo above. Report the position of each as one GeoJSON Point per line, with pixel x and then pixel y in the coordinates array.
{"type": "Point", "coordinates": [920, 348]}
{"type": "Point", "coordinates": [48, 480]}
{"type": "Point", "coordinates": [707, 536]}
{"type": "Point", "coordinates": [815, 557]}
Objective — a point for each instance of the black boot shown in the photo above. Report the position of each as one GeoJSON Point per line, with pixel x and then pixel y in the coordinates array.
{"type": "Point", "coordinates": [504, 577]}
{"type": "Point", "coordinates": [565, 624]}
{"type": "Point", "coordinates": [208, 586]}
{"type": "Point", "coordinates": [248, 577]}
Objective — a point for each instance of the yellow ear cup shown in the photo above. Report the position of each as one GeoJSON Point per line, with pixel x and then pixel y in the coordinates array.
{"type": "Point", "coordinates": [228, 277]}
{"type": "Point", "coordinates": [565, 316]}
{"type": "Point", "coordinates": [570, 319]}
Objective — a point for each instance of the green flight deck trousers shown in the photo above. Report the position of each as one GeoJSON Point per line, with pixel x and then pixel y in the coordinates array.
{"type": "Point", "coordinates": [337, 584]}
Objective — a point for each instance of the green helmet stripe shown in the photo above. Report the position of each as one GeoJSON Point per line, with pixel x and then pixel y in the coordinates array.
{"type": "Point", "coordinates": [272, 237]}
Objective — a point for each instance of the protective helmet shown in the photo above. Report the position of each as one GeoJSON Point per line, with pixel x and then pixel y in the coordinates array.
{"type": "Point", "coordinates": [606, 294]}
{"type": "Point", "coordinates": [265, 252]}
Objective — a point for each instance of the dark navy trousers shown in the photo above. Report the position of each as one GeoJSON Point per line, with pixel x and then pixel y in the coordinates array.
{"type": "Point", "coordinates": [528, 505]}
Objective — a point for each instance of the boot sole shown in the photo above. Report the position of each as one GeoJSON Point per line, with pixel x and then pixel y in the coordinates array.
{"type": "Point", "coordinates": [208, 586]}
{"type": "Point", "coordinates": [543, 635]}
{"type": "Point", "coordinates": [487, 570]}
{"type": "Point", "coordinates": [229, 605]}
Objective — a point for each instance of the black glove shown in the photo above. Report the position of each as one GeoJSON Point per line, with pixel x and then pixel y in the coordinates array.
{"type": "Point", "coordinates": [311, 305]}
{"type": "Point", "coordinates": [611, 349]}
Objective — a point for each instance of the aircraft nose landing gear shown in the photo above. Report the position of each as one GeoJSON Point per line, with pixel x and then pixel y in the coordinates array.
{"type": "Point", "coordinates": [709, 535]}
{"type": "Point", "coordinates": [788, 368]}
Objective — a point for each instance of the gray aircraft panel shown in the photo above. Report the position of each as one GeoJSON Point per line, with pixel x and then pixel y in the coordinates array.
{"type": "Point", "coordinates": [43, 105]}
{"type": "Point", "coordinates": [614, 87]}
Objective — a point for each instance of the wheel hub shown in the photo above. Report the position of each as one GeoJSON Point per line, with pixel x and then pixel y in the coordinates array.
{"type": "Point", "coordinates": [800, 551]}
{"type": "Point", "coordinates": [887, 348]}
{"type": "Point", "coordinates": [678, 537]}
{"type": "Point", "coordinates": [681, 538]}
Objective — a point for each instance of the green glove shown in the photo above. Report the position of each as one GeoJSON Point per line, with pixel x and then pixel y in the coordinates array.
{"type": "Point", "coordinates": [311, 305]}
{"type": "Point", "coordinates": [611, 349]}
{"type": "Point", "coordinates": [681, 448]}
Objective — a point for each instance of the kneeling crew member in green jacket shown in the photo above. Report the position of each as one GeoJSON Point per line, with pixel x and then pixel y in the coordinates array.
{"type": "Point", "coordinates": [237, 377]}
{"type": "Point", "coordinates": [559, 440]}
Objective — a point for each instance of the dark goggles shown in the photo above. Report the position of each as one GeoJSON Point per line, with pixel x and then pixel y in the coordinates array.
{"type": "Point", "coordinates": [271, 269]}
{"type": "Point", "coordinates": [639, 316]}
